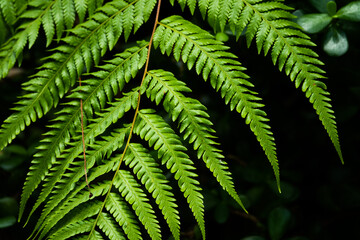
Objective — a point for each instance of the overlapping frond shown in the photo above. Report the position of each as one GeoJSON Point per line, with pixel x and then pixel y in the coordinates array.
{"type": "Point", "coordinates": [193, 121]}
{"type": "Point", "coordinates": [152, 128]}
{"type": "Point", "coordinates": [131, 190]}
{"type": "Point", "coordinates": [198, 49]}
{"type": "Point", "coordinates": [59, 183]}
{"type": "Point", "coordinates": [54, 16]}
{"type": "Point", "coordinates": [84, 46]}
{"type": "Point", "coordinates": [99, 88]}
{"type": "Point", "coordinates": [78, 196]}
{"type": "Point", "coordinates": [110, 227]}
{"type": "Point", "coordinates": [122, 213]}
{"type": "Point", "coordinates": [116, 221]}
{"type": "Point", "coordinates": [148, 172]}
{"type": "Point", "coordinates": [269, 23]}
{"type": "Point", "coordinates": [123, 183]}
{"type": "Point", "coordinates": [8, 11]}
{"type": "Point", "coordinates": [82, 213]}
{"type": "Point", "coordinates": [76, 228]}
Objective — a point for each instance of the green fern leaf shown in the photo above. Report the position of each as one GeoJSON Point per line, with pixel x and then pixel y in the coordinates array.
{"type": "Point", "coordinates": [131, 190]}
{"type": "Point", "coordinates": [116, 206]}
{"type": "Point", "coordinates": [79, 195]}
{"type": "Point", "coordinates": [269, 22]}
{"type": "Point", "coordinates": [60, 183]}
{"type": "Point", "coordinates": [83, 212]}
{"type": "Point", "coordinates": [123, 215]}
{"type": "Point", "coordinates": [120, 204]}
{"type": "Point", "coordinates": [149, 173]}
{"type": "Point", "coordinates": [110, 227]}
{"type": "Point", "coordinates": [71, 230]}
{"type": "Point", "coordinates": [193, 121]}
{"type": "Point", "coordinates": [84, 46]}
{"type": "Point", "coordinates": [190, 3]}
{"type": "Point", "coordinates": [199, 49]}
{"type": "Point", "coordinates": [54, 16]}
{"type": "Point", "coordinates": [102, 86]}
{"type": "Point", "coordinates": [162, 138]}
{"type": "Point", "coordinates": [8, 10]}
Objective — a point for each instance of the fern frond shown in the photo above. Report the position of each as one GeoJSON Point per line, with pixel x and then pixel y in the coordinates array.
{"type": "Point", "coordinates": [55, 222]}
{"type": "Point", "coordinates": [160, 193]}
{"type": "Point", "coordinates": [269, 22]}
{"type": "Point", "coordinates": [151, 176]}
{"type": "Point", "coordinates": [83, 47]}
{"type": "Point", "coordinates": [199, 49]}
{"type": "Point", "coordinates": [56, 183]}
{"type": "Point", "coordinates": [83, 212]}
{"type": "Point", "coordinates": [99, 88]}
{"type": "Point", "coordinates": [79, 195]}
{"type": "Point", "coordinates": [183, 3]}
{"type": "Point", "coordinates": [193, 121]}
{"type": "Point", "coordinates": [54, 16]}
{"type": "Point", "coordinates": [74, 229]}
{"type": "Point", "coordinates": [123, 215]}
{"type": "Point", "coordinates": [152, 128]}
{"type": "Point", "coordinates": [131, 190]}
{"type": "Point", "coordinates": [110, 227]}
{"type": "Point", "coordinates": [8, 11]}
{"type": "Point", "coordinates": [92, 196]}
{"type": "Point", "coordinates": [60, 183]}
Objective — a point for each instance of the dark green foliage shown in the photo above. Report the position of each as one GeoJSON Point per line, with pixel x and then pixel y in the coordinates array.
{"type": "Point", "coordinates": [131, 181]}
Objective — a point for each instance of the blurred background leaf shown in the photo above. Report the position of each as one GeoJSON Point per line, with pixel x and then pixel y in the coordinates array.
{"type": "Point", "coordinates": [335, 42]}
{"type": "Point", "coordinates": [315, 22]}
{"type": "Point", "coordinates": [278, 222]}
{"type": "Point", "coordinates": [8, 212]}
{"type": "Point", "coordinates": [350, 12]}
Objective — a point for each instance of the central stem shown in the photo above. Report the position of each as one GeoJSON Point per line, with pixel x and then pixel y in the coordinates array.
{"type": "Point", "coordinates": [134, 119]}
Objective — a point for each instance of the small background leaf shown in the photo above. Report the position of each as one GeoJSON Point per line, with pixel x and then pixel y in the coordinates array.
{"type": "Point", "coordinates": [278, 222]}
{"type": "Point", "coordinates": [331, 8]}
{"type": "Point", "coordinates": [315, 22]}
{"type": "Point", "coordinates": [336, 43]}
{"type": "Point", "coordinates": [8, 212]}
{"type": "Point", "coordinates": [350, 12]}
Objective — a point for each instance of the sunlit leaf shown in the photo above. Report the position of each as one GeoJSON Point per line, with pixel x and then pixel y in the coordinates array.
{"type": "Point", "coordinates": [335, 43]}
{"type": "Point", "coordinates": [350, 12]}
{"type": "Point", "coordinates": [315, 22]}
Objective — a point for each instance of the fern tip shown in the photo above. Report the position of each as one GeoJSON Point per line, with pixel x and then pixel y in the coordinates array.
{"type": "Point", "coordinates": [278, 183]}
{"type": "Point", "coordinates": [341, 158]}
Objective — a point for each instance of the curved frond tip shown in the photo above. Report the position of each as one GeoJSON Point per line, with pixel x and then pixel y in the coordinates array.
{"type": "Point", "coordinates": [211, 59]}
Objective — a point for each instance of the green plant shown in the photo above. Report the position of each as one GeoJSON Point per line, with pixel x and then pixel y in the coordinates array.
{"type": "Point", "coordinates": [333, 20]}
{"type": "Point", "coordinates": [87, 91]}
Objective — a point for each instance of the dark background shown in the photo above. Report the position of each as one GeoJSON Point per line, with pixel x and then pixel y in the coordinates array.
{"type": "Point", "coordinates": [320, 197]}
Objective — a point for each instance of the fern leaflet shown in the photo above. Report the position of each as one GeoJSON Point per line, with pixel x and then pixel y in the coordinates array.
{"type": "Point", "coordinates": [269, 23]}
{"type": "Point", "coordinates": [162, 138]}
{"type": "Point", "coordinates": [84, 46]}
{"type": "Point", "coordinates": [146, 170]}
{"type": "Point", "coordinates": [102, 86]}
{"type": "Point", "coordinates": [193, 121]}
{"type": "Point", "coordinates": [132, 192]}
{"type": "Point", "coordinates": [199, 49]}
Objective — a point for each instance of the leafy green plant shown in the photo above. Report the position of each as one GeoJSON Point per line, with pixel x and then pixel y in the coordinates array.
{"type": "Point", "coordinates": [333, 20]}
{"type": "Point", "coordinates": [95, 91]}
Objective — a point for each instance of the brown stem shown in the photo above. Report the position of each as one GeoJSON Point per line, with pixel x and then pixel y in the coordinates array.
{"type": "Point", "coordinates": [83, 141]}
{"type": "Point", "coordinates": [134, 119]}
